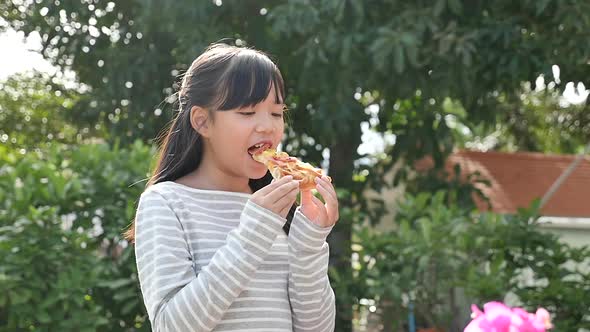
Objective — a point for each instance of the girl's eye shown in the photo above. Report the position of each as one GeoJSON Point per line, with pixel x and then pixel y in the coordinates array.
{"type": "Point", "coordinates": [247, 113]}
{"type": "Point", "coordinates": [278, 115]}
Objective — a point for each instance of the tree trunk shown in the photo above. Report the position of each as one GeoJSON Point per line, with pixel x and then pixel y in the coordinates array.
{"type": "Point", "coordinates": [342, 157]}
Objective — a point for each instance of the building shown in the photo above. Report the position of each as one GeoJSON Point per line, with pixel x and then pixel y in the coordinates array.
{"type": "Point", "coordinates": [519, 178]}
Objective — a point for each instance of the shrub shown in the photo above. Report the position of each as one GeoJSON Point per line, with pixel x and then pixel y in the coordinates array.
{"type": "Point", "coordinates": [63, 211]}
{"type": "Point", "coordinates": [440, 258]}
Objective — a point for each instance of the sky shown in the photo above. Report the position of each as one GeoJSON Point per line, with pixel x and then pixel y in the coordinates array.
{"type": "Point", "coordinates": [19, 54]}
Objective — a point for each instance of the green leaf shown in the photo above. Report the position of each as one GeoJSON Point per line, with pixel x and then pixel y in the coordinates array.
{"type": "Point", "coordinates": [380, 49]}
{"type": "Point", "coordinates": [407, 38]}
{"type": "Point", "coordinates": [129, 306]}
{"type": "Point", "coordinates": [43, 317]}
{"type": "Point", "coordinates": [541, 6]}
{"type": "Point", "coordinates": [339, 15]}
{"type": "Point", "coordinates": [359, 10]}
{"type": "Point", "coordinates": [423, 262]}
{"type": "Point", "coordinates": [444, 44]}
{"type": "Point", "coordinates": [398, 58]}
{"type": "Point", "coordinates": [439, 6]}
{"type": "Point", "coordinates": [412, 52]}
{"type": "Point", "coordinates": [115, 284]}
{"type": "Point", "coordinates": [426, 226]}
{"type": "Point", "coordinates": [456, 7]}
{"type": "Point", "coordinates": [125, 295]}
{"type": "Point", "coordinates": [100, 321]}
{"type": "Point", "coordinates": [346, 50]}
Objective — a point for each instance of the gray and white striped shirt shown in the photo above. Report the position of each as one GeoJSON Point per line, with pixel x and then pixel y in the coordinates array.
{"type": "Point", "coordinates": [215, 261]}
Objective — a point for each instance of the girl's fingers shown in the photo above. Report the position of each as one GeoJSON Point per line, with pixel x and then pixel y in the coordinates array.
{"type": "Point", "coordinates": [288, 199]}
{"type": "Point", "coordinates": [275, 184]}
{"type": "Point", "coordinates": [331, 203]}
{"type": "Point", "coordinates": [306, 197]}
{"type": "Point", "coordinates": [320, 182]}
{"type": "Point", "coordinates": [278, 193]}
{"type": "Point", "coordinates": [323, 214]}
{"type": "Point", "coordinates": [328, 195]}
{"type": "Point", "coordinates": [285, 211]}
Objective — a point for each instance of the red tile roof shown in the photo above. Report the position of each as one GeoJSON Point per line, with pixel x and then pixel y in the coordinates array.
{"type": "Point", "coordinates": [518, 178]}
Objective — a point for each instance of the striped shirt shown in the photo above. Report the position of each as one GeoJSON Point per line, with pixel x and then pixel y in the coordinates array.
{"type": "Point", "coordinates": [215, 261]}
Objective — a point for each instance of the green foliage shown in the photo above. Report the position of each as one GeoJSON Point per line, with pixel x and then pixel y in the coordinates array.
{"type": "Point", "coordinates": [34, 110]}
{"type": "Point", "coordinates": [46, 276]}
{"type": "Point", "coordinates": [469, 51]}
{"type": "Point", "coordinates": [439, 251]}
{"type": "Point", "coordinates": [544, 271]}
{"type": "Point", "coordinates": [62, 213]}
{"type": "Point", "coordinates": [539, 119]}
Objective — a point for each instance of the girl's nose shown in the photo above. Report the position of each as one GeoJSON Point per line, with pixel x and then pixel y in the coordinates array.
{"type": "Point", "coordinates": [265, 124]}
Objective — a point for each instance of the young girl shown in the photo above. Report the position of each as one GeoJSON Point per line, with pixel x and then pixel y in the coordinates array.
{"type": "Point", "coordinates": [219, 246]}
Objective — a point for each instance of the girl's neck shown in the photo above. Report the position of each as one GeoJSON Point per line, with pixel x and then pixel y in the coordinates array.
{"type": "Point", "coordinates": [208, 177]}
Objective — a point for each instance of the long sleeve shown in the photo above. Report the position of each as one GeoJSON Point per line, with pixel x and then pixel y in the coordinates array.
{"type": "Point", "coordinates": [312, 298]}
{"type": "Point", "coordinates": [176, 297]}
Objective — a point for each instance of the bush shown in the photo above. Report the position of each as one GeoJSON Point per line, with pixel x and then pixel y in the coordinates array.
{"type": "Point", "coordinates": [66, 266]}
{"type": "Point", "coordinates": [441, 258]}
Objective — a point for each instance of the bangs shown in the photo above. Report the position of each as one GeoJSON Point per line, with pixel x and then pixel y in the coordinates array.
{"type": "Point", "coordinates": [248, 81]}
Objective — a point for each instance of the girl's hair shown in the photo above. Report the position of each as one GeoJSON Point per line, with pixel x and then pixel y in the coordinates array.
{"type": "Point", "coordinates": [222, 78]}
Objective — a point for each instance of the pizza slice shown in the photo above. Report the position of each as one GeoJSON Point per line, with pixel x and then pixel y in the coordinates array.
{"type": "Point", "coordinates": [281, 164]}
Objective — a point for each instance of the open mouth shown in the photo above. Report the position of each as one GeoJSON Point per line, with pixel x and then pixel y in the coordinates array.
{"type": "Point", "coordinates": [258, 148]}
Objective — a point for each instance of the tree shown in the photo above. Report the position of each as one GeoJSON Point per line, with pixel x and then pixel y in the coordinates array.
{"type": "Point", "coordinates": [34, 110]}
{"type": "Point", "coordinates": [391, 53]}
{"type": "Point", "coordinates": [538, 119]}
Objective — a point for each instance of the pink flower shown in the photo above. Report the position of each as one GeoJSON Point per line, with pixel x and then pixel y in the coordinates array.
{"type": "Point", "coordinates": [497, 317]}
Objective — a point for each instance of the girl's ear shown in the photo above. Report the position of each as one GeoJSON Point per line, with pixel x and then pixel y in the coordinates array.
{"type": "Point", "coordinates": [200, 120]}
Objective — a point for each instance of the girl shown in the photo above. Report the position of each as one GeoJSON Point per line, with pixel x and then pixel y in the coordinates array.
{"type": "Point", "coordinates": [219, 246]}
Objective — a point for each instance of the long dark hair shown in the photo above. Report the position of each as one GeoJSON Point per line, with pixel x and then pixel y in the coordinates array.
{"type": "Point", "coordinates": [224, 77]}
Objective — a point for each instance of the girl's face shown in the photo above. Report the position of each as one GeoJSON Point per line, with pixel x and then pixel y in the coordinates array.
{"type": "Point", "coordinates": [233, 132]}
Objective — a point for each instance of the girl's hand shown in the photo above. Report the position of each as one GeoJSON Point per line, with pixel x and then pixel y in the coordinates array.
{"type": "Point", "coordinates": [278, 196]}
{"type": "Point", "coordinates": [323, 215]}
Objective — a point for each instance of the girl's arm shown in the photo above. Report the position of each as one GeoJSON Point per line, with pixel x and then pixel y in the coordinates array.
{"type": "Point", "coordinates": [312, 298]}
{"type": "Point", "coordinates": [178, 299]}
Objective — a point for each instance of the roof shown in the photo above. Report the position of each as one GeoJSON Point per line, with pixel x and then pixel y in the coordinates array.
{"type": "Point", "coordinates": [518, 178]}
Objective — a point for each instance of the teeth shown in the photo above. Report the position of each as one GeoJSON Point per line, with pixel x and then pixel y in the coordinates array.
{"type": "Point", "coordinates": [256, 147]}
